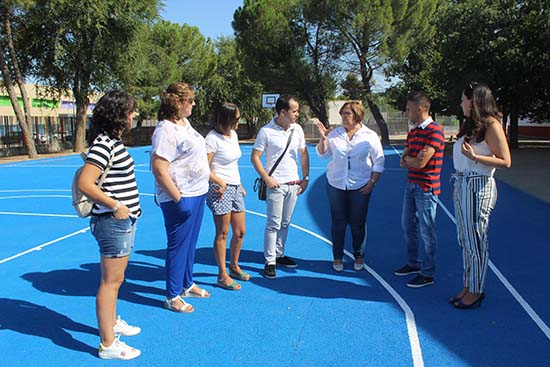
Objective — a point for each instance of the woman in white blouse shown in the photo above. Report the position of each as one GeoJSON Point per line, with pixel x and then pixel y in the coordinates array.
{"type": "Point", "coordinates": [180, 166]}
{"type": "Point", "coordinates": [356, 165]}
{"type": "Point", "coordinates": [226, 195]}
{"type": "Point", "coordinates": [480, 148]}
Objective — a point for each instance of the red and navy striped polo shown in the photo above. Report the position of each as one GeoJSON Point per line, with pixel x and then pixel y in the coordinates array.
{"type": "Point", "coordinates": [430, 134]}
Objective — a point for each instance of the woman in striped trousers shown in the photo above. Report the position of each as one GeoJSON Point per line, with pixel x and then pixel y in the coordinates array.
{"type": "Point", "coordinates": [480, 149]}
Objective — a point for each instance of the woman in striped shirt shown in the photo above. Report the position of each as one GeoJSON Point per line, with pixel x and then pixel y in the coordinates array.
{"type": "Point", "coordinates": [114, 214]}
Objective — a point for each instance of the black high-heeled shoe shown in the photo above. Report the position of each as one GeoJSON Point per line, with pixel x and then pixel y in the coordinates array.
{"type": "Point", "coordinates": [454, 300]}
{"type": "Point", "coordinates": [476, 303]}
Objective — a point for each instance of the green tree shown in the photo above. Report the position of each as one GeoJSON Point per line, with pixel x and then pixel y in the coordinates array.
{"type": "Point", "coordinates": [230, 82]}
{"type": "Point", "coordinates": [13, 71]}
{"type": "Point", "coordinates": [164, 53]}
{"type": "Point", "coordinates": [290, 47]}
{"type": "Point", "coordinates": [485, 41]}
{"type": "Point", "coordinates": [379, 33]}
{"type": "Point", "coordinates": [87, 42]}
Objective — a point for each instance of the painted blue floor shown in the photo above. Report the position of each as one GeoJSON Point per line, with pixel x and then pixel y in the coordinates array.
{"type": "Point", "coordinates": [309, 316]}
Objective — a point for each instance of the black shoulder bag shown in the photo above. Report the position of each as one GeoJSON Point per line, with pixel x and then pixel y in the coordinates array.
{"type": "Point", "coordinates": [260, 185]}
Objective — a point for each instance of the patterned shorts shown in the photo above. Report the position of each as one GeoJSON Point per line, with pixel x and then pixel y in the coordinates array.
{"type": "Point", "coordinates": [231, 201]}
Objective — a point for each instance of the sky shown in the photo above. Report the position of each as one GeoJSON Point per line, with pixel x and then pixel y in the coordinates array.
{"type": "Point", "coordinates": [212, 17]}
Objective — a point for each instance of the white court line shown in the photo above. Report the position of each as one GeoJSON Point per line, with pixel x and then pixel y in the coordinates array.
{"type": "Point", "coordinates": [34, 196]}
{"type": "Point", "coordinates": [523, 303]}
{"type": "Point", "coordinates": [40, 215]}
{"type": "Point", "coordinates": [416, 350]}
{"type": "Point", "coordinates": [40, 247]}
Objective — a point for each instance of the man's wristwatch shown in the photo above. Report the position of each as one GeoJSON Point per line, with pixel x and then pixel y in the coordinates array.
{"type": "Point", "coordinates": [306, 178]}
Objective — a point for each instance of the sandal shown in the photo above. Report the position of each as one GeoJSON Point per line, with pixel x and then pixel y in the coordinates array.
{"type": "Point", "coordinates": [188, 294]}
{"type": "Point", "coordinates": [185, 307]}
{"type": "Point", "coordinates": [233, 286]}
{"type": "Point", "coordinates": [243, 275]}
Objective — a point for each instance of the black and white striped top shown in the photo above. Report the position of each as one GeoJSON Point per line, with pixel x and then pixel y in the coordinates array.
{"type": "Point", "coordinates": [120, 182]}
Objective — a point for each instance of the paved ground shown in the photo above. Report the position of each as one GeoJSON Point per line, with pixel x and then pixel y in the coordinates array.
{"type": "Point", "coordinates": [530, 170]}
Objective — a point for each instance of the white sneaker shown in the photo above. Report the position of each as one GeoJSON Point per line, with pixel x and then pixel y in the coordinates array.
{"type": "Point", "coordinates": [122, 328]}
{"type": "Point", "coordinates": [118, 350]}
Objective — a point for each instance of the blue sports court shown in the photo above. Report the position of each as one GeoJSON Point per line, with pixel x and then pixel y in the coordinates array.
{"type": "Point", "coordinates": [309, 316]}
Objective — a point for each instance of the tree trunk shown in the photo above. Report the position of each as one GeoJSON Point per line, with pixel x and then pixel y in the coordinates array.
{"type": "Point", "coordinates": [27, 133]}
{"type": "Point", "coordinates": [513, 137]}
{"type": "Point", "coordinates": [81, 120]}
{"type": "Point", "coordinates": [24, 119]}
{"type": "Point", "coordinates": [384, 133]}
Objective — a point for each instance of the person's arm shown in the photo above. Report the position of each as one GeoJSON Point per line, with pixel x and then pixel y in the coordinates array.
{"type": "Point", "coordinates": [322, 146]}
{"type": "Point", "coordinates": [496, 139]}
{"type": "Point", "coordinates": [402, 162]}
{"type": "Point", "coordinates": [255, 159]}
{"type": "Point", "coordinates": [304, 158]}
{"type": "Point", "coordinates": [422, 159]}
{"type": "Point", "coordinates": [87, 185]}
{"type": "Point", "coordinates": [215, 179]}
{"type": "Point", "coordinates": [160, 167]}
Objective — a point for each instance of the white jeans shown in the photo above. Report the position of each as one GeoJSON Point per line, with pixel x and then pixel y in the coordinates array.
{"type": "Point", "coordinates": [280, 206]}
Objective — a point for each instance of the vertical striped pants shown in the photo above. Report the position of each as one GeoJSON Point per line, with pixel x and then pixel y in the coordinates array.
{"type": "Point", "coordinates": [474, 198]}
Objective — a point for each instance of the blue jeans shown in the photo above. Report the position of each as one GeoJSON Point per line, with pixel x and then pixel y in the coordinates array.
{"type": "Point", "coordinates": [347, 207]}
{"type": "Point", "coordinates": [280, 206]}
{"type": "Point", "coordinates": [115, 237]}
{"type": "Point", "coordinates": [419, 208]}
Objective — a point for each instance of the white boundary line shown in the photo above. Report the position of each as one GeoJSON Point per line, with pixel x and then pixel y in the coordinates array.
{"type": "Point", "coordinates": [522, 302]}
{"type": "Point", "coordinates": [40, 215]}
{"type": "Point", "coordinates": [416, 350]}
{"type": "Point", "coordinates": [40, 247]}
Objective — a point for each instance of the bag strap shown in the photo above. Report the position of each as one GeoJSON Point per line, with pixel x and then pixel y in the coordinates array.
{"type": "Point", "coordinates": [103, 175]}
{"type": "Point", "coordinates": [282, 155]}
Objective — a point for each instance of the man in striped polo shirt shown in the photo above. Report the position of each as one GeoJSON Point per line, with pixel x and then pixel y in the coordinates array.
{"type": "Point", "coordinates": [423, 157]}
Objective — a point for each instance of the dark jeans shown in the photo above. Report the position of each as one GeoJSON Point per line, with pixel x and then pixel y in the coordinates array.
{"type": "Point", "coordinates": [347, 207]}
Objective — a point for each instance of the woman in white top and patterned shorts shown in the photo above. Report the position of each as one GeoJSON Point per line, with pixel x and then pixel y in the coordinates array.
{"type": "Point", "coordinates": [226, 195]}
{"type": "Point", "coordinates": [481, 147]}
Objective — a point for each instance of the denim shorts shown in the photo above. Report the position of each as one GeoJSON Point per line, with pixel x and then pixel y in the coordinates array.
{"type": "Point", "coordinates": [231, 201]}
{"type": "Point", "coordinates": [114, 237]}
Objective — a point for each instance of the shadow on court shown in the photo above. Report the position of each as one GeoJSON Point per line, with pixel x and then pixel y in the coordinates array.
{"type": "Point", "coordinates": [28, 318]}
{"type": "Point", "coordinates": [84, 282]}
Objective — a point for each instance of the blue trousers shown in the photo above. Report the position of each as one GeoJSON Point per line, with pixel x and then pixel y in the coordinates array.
{"type": "Point", "coordinates": [347, 207]}
{"type": "Point", "coordinates": [182, 221]}
{"type": "Point", "coordinates": [419, 209]}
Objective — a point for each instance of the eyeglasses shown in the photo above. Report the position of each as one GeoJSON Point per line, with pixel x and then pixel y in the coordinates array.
{"type": "Point", "coordinates": [346, 113]}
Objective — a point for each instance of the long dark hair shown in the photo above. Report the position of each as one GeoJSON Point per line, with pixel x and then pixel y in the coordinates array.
{"type": "Point", "coordinates": [225, 118]}
{"type": "Point", "coordinates": [483, 111]}
{"type": "Point", "coordinates": [110, 115]}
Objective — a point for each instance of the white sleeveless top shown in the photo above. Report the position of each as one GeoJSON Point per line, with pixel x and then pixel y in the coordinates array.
{"type": "Point", "coordinates": [466, 165]}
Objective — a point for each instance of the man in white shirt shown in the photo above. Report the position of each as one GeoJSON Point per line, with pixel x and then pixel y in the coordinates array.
{"type": "Point", "coordinates": [284, 184]}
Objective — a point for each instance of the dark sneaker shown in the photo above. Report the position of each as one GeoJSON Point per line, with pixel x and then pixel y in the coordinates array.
{"type": "Point", "coordinates": [286, 261]}
{"type": "Point", "coordinates": [269, 271]}
{"type": "Point", "coordinates": [406, 270]}
{"type": "Point", "coordinates": [420, 281]}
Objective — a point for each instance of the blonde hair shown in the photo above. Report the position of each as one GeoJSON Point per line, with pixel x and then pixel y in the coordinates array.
{"type": "Point", "coordinates": [172, 98]}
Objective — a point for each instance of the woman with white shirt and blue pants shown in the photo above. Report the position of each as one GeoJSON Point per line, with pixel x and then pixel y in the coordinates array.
{"type": "Point", "coordinates": [180, 166]}
{"type": "Point", "coordinates": [356, 165]}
